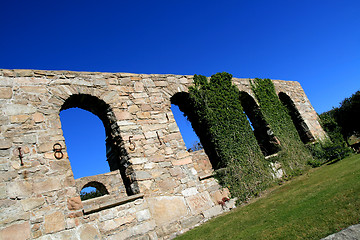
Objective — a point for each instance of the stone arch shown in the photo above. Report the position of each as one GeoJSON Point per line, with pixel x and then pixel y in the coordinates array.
{"type": "Point", "coordinates": [265, 137]}
{"type": "Point", "coordinates": [116, 154]}
{"type": "Point", "coordinates": [300, 125]}
{"type": "Point", "coordinates": [98, 185]}
{"type": "Point", "coordinates": [181, 99]}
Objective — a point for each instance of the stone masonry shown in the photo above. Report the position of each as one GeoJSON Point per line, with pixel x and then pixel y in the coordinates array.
{"type": "Point", "coordinates": [156, 188]}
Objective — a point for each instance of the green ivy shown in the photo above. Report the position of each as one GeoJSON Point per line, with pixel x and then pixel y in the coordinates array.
{"type": "Point", "coordinates": [293, 155]}
{"type": "Point", "coordinates": [219, 119]}
{"type": "Point", "coordinates": [217, 106]}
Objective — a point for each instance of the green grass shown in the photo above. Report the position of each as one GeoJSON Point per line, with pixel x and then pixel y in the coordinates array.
{"type": "Point", "coordinates": [312, 206]}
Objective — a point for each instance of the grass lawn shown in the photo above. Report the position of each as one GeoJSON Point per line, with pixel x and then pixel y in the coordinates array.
{"type": "Point", "coordinates": [312, 206]}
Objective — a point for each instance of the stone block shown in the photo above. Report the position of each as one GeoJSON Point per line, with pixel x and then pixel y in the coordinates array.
{"type": "Point", "coordinates": [150, 165]}
{"type": "Point", "coordinates": [124, 220]}
{"type": "Point", "coordinates": [74, 203]}
{"type": "Point", "coordinates": [123, 115]}
{"type": "Point", "coordinates": [169, 229]}
{"type": "Point", "coordinates": [150, 134]}
{"type": "Point", "coordinates": [190, 222]}
{"type": "Point", "coordinates": [25, 139]}
{"type": "Point", "coordinates": [143, 115]}
{"type": "Point", "coordinates": [89, 232]}
{"type": "Point", "coordinates": [38, 117]}
{"type": "Point", "coordinates": [54, 222]}
{"type": "Point", "coordinates": [46, 147]}
{"type": "Point", "coordinates": [133, 109]}
{"type": "Point", "coordinates": [156, 158]}
{"type": "Point", "coordinates": [167, 184]}
{"type": "Point", "coordinates": [68, 235]}
{"type": "Point", "coordinates": [125, 234]}
{"type": "Point", "coordinates": [148, 83]}
{"type": "Point", "coordinates": [19, 189]}
{"type": "Point", "coordinates": [214, 211]}
{"type": "Point", "coordinates": [176, 171]}
{"type": "Point", "coordinates": [108, 225]}
{"type": "Point", "coordinates": [5, 92]}
{"type": "Point", "coordinates": [173, 127]}
{"type": "Point", "coordinates": [143, 228]}
{"type": "Point", "coordinates": [166, 209]}
{"type": "Point", "coordinates": [18, 109]}
{"type": "Point", "coordinates": [143, 215]}
{"type": "Point", "coordinates": [142, 175]}
{"type": "Point", "coordinates": [183, 161]}
{"type": "Point", "coordinates": [138, 160]}
{"type": "Point", "coordinates": [16, 231]}
{"type": "Point", "coordinates": [138, 87]}
{"type": "Point", "coordinates": [3, 191]}
{"type": "Point", "coordinates": [5, 144]}
{"type": "Point", "coordinates": [189, 191]}
{"type": "Point", "coordinates": [140, 95]}
{"type": "Point", "coordinates": [182, 154]}
{"type": "Point", "coordinates": [31, 203]}
{"type": "Point", "coordinates": [19, 118]}
{"type": "Point", "coordinates": [110, 97]}
{"type": "Point", "coordinates": [49, 184]}
{"type": "Point", "coordinates": [199, 202]}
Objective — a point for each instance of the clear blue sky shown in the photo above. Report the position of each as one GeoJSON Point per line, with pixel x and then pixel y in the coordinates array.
{"type": "Point", "coordinates": [314, 42]}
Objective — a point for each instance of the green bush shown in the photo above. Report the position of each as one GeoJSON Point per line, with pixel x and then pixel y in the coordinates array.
{"type": "Point", "coordinates": [332, 149]}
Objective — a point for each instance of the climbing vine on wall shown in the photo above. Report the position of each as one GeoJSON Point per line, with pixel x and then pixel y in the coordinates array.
{"type": "Point", "coordinates": [218, 111]}
{"type": "Point", "coordinates": [293, 155]}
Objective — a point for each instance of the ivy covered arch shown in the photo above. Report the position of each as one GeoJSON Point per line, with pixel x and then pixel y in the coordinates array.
{"type": "Point", "coordinates": [200, 127]}
{"type": "Point", "coordinates": [265, 137]}
{"type": "Point", "coordinates": [300, 125]}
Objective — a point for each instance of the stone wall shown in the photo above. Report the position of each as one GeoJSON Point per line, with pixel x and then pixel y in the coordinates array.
{"type": "Point", "coordinates": [168, 190]}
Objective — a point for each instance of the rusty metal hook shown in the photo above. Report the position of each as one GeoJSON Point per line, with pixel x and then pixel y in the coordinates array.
{"type": "Point", "coordinates": [132, 148]}
{"type": "Point", "coordinates": [21, 157]}
{"type": "Point", "coordinates": [58, 154]}
{"type": "Point", "coordinates": [157, 134]}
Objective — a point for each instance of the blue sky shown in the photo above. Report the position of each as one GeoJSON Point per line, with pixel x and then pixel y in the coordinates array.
{"type": "Point", "coordinates": [314, 42]}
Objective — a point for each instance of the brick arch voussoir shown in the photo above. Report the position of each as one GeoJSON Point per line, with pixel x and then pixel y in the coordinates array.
{"type": "Point", "coordinates": [172, 89]}
{"type": "Point", "coordinates": [101, 186]}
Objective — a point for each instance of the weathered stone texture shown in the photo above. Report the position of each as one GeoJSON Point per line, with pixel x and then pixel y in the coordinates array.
{"type": "Point", "coordinates": [16, 231]}
{"type": "Point", "coordinates": [54, 222]}
{"type": "Point", "coordinates": [171, 190]}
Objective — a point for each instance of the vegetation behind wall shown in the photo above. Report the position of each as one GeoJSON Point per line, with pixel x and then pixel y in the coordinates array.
{"type": "Point", "coordinates": [340, 124]}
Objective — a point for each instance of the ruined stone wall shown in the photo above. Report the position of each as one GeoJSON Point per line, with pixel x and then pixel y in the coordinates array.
{"type": "Point", "coordinates": [172, 189]}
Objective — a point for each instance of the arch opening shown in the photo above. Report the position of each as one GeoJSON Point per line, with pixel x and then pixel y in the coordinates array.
{"type": "Point", "coordinates": [116, 154]}
{"type": "Point", "coordinates": [182, 100]}
{"type": "Point", "coordinates": [300, 125]}
{"type": "Point", "coordinates": [85, 139]}
{"type": "Point", "coordinates": [265, 137]}
{"type": "Point", "coordinates": [92, 190]}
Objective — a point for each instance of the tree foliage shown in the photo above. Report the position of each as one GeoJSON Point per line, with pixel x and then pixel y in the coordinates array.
{"type": "Point", "coordinates": [339, 124]}
{"type": "Point", "coordinates": [88, 195]}
{"type": "Point", "coordinates": [348, 115]}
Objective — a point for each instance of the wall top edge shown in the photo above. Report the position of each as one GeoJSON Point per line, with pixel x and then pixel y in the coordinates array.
{"type": "Point", "coordinates": [44, 73]}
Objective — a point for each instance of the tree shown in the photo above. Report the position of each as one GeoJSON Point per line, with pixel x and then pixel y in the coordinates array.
{"type": "Point", "coordinates": [348, 115]}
